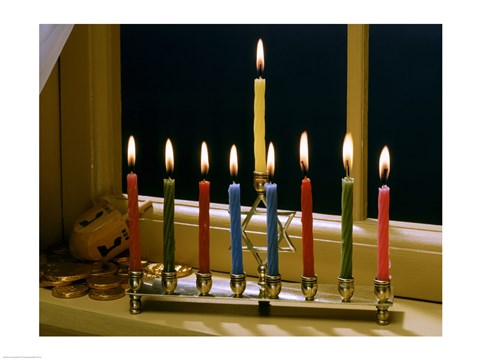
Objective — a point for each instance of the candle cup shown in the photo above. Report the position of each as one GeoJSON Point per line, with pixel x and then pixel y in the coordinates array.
{"type": "Point", "coordinates": [204, 283]}
{"type": "Point", "coordinates": [274, 286]}
{"type": "Point", "coordinates": [169, 281]}
{"type": "Point", "coordinates": [238, 284]}
{"type": "Point", "coordinates": [135, 283]}
{"type": "Point", "coordinates": [309, 287]}
{"type": "Point", "coordinates": [345, 288]}
{"type": "Point", "coordinates": [382, 292]}
{"type": "Point", "coordinates": [262, 283]}
{"type": "Point", "coordinates": [259, 180]}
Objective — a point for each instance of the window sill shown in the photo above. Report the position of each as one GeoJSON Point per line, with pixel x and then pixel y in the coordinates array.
{"type": "Point", "coordinates": [83, 316]}
{"type": "Point", "coordinates": [415, 249]}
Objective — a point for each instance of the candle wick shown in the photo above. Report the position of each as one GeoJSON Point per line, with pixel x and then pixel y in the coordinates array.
{"type": "Point", "coordinates": [348, 169]}
{"type": "Point", "coordinates": [384, 177]}
{"type": "Point", "coordinates": [304, 170]}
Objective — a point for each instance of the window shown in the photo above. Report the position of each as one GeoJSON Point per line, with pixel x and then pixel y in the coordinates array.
{"type": "Point", "coordinates": [405, 112]}
{"type": "Point", "coordinates": [195, 82]}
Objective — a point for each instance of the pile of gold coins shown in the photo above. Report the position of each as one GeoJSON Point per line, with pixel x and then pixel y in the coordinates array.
{"type": "Point", "coordinates": [70, 278]}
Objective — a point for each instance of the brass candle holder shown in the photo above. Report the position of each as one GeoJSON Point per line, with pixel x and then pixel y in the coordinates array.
{"type": "Point", "coordinates": [274, 286]}
{"type": "Point", "coordinates": [382, 292]}
{"type": "Point", "coordinates": [245, 292]}
{"type": "Point", "coordinates": [345, 288]}
{"type": "Point", "coordinates": [169, 281]}
{"type": "Point", "coordinates": [203, 289]}
{"type": "Point", "coordinates": [309, 287]}
{"type": "Point", "coordinates": [204, 282]}
{"type": "Point", "coordinates": [135, 282]}
{"type": "Point", "coordinates": [238, 284]}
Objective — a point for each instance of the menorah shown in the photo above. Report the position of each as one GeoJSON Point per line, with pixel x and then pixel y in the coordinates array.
{"type": "Point", "coordinates": [268, 290]}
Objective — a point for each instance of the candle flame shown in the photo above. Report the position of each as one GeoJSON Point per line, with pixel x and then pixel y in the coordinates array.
{"type": "Point", "coordinates": [304, 152]}
{"type": "Point", "coordinates": [348, 153]}
{"type": "Point", "coordinates": [384, 164]}
{"type": "Point", "coordinates": [271, 160]}
{"type": "Point", "coordinates": [169, 156]}
{"type": "Point", "coordinates": [233, 162]}
{"type": "Point", "coordinates": [260, 57]}
{"type": "Point", "coordinates": [204, 159]}
{"type": "Point", "coordinates": [131, 151]}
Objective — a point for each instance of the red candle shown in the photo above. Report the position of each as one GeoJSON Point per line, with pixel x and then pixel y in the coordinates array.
{"type": "Point", "coordinates": [307, 219]}
{"type": "Point", "coordinates": [204, 215]}
{"type": "Point", "coordinates": [133, 213]}
{"type": "Point", "coordinates": [383, 254]}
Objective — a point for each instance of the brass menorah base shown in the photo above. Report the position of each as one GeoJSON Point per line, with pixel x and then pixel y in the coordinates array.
{"type": "Point", "coordinates": [238, 290]}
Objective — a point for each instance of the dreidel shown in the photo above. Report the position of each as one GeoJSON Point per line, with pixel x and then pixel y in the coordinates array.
{"type": "Point", "coordinates": [101, 233]}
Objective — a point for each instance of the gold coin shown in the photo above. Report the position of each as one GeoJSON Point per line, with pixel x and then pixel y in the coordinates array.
{"type": "Point", "coordinates": [96, 266]}
{"type": "Point", "coordinates": [65, 271]}
{"type": "Point", "coordinates": [121, 260]}
{"type": "Point", "coordinates": [70, 291]}
{"type": "Point", "coordinates": [122, 271]}
{"type": "Point", "coordinates": [125, 283]}
{"type": "Point", "coordinates": [108, 294]}
{"type": "Point", "coordinates": [48, 283]}
{"type": "Point", "coordinates": [108, 268]}
{"type": "Point", "coordinates": [155, 270]}
{"type": "Point", "coordinates": [103, 282]}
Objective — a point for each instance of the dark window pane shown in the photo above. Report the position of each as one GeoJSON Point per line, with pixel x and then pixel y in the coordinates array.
{"type": "Point", "coordinates": [192, 83]}
{"type": "Point", "coordinates": [405, 113]}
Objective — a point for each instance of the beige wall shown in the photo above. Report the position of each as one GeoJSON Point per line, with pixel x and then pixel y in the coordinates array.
{"type": "Point", "coordinates": [50, 159]}
{"type": "Point", "coordinates": [80, 129]}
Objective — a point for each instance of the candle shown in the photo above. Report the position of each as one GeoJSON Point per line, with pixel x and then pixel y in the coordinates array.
{"type": "Point", "coordinates": [307, 218]}
{"type": "Point", "coordinates": [204, 215]}
{"type": "Point", "coordinates": [347, 210]}
{"type": "Point", "coordinates": [133, 213]}
{"type": "Point", "coordinates": [259, 112]}
{"type": "Point", "coordinates": [235, 212]}
{"type": "Point", "coordinates": [168, 212]}
{"type": "Point", "coordinates": [272, 230]}
{"type": "Point", "coordinates": [383, 256]}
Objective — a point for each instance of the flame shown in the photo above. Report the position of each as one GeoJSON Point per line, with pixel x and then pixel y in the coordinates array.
{"type": "Point", "coordinates": [384, 163]}
{"type": "Point", "coordinates": [169, 156]}
{"type": "Point", "coordinates": [271, 160]}
{"type": "Point", "coordinates": [348, 153]}
{"type": "Point", "coordinates": [260, 57]}
{"type": "Point", "coordinates": [131, 151]}
{"type": "Point", "coordinates": [204, 159]}
{"type": "Point", "coordinates": [304, 152]}
{"type": "Point", "coordinates": [233, 162]}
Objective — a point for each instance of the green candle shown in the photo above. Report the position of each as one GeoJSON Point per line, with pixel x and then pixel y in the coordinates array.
{"type": "Point", "coordinates": [347, 211]}
{"type": "Point", "coordinates": [347, 225]}
{"type": "Point", "coordinates": [168, 213]}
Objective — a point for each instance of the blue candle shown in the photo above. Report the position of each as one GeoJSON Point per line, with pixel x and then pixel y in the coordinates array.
{"type": "Point", "coordinates": [235, 212]}
{"type": "Point", "coordinates": [272, 229]}
{"type": "Point", "coordinates": [235, 228]}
